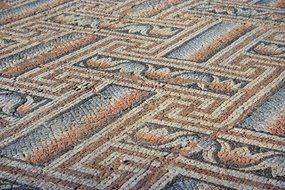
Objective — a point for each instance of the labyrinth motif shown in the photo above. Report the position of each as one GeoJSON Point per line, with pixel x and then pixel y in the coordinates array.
{"type": "Point", "coordinates": [142, 94]}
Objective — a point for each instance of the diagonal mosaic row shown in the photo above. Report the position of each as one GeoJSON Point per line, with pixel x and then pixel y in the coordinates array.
{"type": "Point", "coordinates": [142, 94]}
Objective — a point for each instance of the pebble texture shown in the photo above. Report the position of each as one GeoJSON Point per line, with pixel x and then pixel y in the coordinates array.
{"type": "Point", "coordinates": [142, 94]}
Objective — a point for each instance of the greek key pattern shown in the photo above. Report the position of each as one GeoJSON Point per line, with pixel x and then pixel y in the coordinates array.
{"type": "Point", "coordinates": [142, 94]}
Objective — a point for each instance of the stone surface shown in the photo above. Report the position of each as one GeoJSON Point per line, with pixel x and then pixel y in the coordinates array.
{"type": "Point", "coordinates": [142, 94]}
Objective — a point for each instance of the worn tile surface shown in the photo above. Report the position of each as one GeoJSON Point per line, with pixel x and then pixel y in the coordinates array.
{"type": "Point", "coordinates": [142, 94]}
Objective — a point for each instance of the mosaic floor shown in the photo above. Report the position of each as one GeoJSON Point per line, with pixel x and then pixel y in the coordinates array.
{"type": "Point", "coordinates": [142, 94]}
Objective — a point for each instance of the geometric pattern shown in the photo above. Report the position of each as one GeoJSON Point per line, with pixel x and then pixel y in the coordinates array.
{"type": "Point", "coordinates": [142, 94]}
